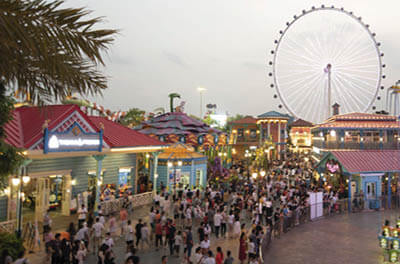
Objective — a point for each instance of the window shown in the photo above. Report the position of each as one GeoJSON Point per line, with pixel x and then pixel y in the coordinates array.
{"type": "Point", "coordinates": [124, 176]}
{"type": "Point", "coordinates": [199, 178]}
{"type": "Point", "coordinates": [253, 133]}
{"type": "Point", "coordinates": [240, 133]}
{"type": "Point", "coordinates": [93, 179]}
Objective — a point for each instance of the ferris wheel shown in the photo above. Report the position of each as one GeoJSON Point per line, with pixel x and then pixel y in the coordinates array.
{"type": "Point", "coordinates": [326, 55]}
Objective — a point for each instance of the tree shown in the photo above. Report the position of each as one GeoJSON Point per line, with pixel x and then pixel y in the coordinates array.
{"type": "Point", "coordinates": [47, 53]}
{"type": "Point", "coordinates": [172, 96]}
{"type": "Point", "coordinates": [133, 117]}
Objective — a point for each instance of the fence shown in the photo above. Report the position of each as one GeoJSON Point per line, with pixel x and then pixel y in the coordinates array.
{"type": "Point", "coordinates": [113, 206]}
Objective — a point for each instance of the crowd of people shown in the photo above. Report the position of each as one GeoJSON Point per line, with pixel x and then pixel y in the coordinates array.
{"type": "Point", "coordinates": [188, 224]}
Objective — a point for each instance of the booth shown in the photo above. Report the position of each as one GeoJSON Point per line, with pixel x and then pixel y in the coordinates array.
{"type": "Point", "coordinates": [179, 166]}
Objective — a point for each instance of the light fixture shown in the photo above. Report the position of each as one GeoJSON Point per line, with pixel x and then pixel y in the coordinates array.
{"type": "Point", "coordinates": [321, 134]}
{"type": "Point", "coordinates": [180, 163]}
{"type": "Point", "coordinates": [342, 139]}
{"type": "Point", "coordinates": [254, 175]}
{"type": "Point", "coordinates": [156, 175]}
{"type": "Point", "coordinates": [73, 182]}
{"type": "Point", "coordinates": [147, 155]}
{"type": "Point", "coordinates": [333, 133]}
{"type": "Point", "coordinates": [225, 154]}
{"type": "Point", "coordinates": [220, 154]}
{"type": "Point", "coordinates": [169, 164]}
{"type": "Point", "coordinates": [347, 180]}
{"type": "Point", "coordinates": [381, 139]}
{"type": "Point", "coordinates": [262, 173]}
{"type": "Point", "coordinates": [15, 181]}
{"type": "Point", "coordinates": [306, 159]}
{"type": "Point", "coordinates": [7, 191]}
{"type": "Point", "coordinates": [266, 150]}
{"type": "Point", "coordinates": [297, 132]}
{"type": "Point", "coordinates": [99, 182]}
{"type": "Point", "coordinates": [26, 179]}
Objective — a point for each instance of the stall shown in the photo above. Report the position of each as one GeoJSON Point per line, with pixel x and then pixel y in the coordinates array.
{"type": "Point", "coordinates": [179, 167]}
{"type": "Point", "coordinates": [74, 158]}
{"type": "Point", "coordinates": [361, 174]}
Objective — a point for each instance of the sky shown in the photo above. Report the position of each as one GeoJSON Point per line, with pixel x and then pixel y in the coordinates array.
{"type": "Point", "coordinates": [167, 46]}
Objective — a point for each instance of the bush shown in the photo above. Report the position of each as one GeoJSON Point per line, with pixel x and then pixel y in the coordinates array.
{"type": "Point", "coordinates": [10, 242]}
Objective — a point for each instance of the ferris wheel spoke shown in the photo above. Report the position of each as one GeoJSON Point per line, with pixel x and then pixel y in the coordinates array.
{"type": "Point", "coordinates": [312, 98]}
{"type": "Point", "coordinates": [311, 56]}
{"type": "Point", "coordinates": [358, 55]}
{"type": "Point", "coordinates": [354, 77]}
{"type": "Point", "coordinates": [340, 44]}
{"type": "Point", "coordinates": [293, 85]}
{"type": "Point", "coordinates": [349, 48]}
{"type": "Point", "coordinates": [305, 93]}
{"type": "Point", "coordinates": [298, 74]}
{"type": "Point", "coordinates": [359, 88]}
{"type": "Point", "coordinates": [300, 55]}
{"type": "Point", "coordinates": [353, 97]}
{"type": "Point", "coordinates": [362, 88]}
{"type": "Point", "coordinates": [343, 99]}
{"type": "Point", "coordinates": [359, 61]}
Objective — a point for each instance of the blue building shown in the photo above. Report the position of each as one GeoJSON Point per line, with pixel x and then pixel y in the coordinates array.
{"type": "Point", "coordinates": [179, 166]}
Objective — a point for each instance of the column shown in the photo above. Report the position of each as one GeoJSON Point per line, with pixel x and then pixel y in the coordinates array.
{"type": "Point", "coordinates": [349, 186]}
{"type": "Point", "coordinates": [66, 196]}
{"type": "Point", "coordinates": [192, 179]}
{"type": "Point", "coordinates": [269, 129]}
{"type": "Point", "coordinates": [155, 175]}
{"type": "Point", "coordinates": [361, 140]}
{"type": "Point", "coordinates": [342, 134]}
{"type": "Point", "coordinates": [279, 139]}
{"type": "Point", "coordinates": [260, 134]}
{"type": "Point", "coordinates": [381, 139]}
{"type": "Point", "coordinates": [99, 163]}
{"type": "Point", "coordinates": [389, 193]}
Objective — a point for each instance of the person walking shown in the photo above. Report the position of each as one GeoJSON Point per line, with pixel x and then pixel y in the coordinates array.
{"type": "Point", "coordinates": [242, 248]}
{"type": "Point", "coordinates": [189, 243]}
{"type": "Point", "coordinates": [138, 229]}
{"type": "Point", "coordinates": [82, 212]}
{"type": "Point", "coordinates": [219, 258]}
{"type": "Point", "coordinates": [98, 232]}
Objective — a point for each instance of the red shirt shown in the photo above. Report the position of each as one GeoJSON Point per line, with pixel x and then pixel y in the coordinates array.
{"type": "Point", "coordinates": [159, 229]}
{"type": "Point", "coordinates": [219, 258]}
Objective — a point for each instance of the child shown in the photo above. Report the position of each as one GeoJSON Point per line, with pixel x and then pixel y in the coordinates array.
{"type": "Point", "coordinates": [81, 254]}
{"type": "Point", "coordinates": [178, 243]}
{"type": "Point", "coordinates": [229, 259]}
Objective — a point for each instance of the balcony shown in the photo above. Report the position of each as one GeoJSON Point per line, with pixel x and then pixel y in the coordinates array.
{"type": "Point", "coordinates": [355, 145]}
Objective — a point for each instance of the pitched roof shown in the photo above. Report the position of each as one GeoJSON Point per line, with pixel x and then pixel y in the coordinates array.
{"type": "Point", "coordinates": [356, 161]}
{"type": "Point", "coordinates": [245, 120]}
{"type": "Point", "coordinates": [361, 120]}
{"type": "Point", "coordinates": [117, 135]}
{"type": "Point", "coordinates": [272, 114]}
{"type": "Point", "coordinates": [26, 128]}
{"type": "Point", "coordinates": [301, 123]}
{"type": "Point", "coordinates": [180, 151]}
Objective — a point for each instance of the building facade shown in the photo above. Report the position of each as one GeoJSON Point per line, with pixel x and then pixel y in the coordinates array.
{"type": "Point", "coordinates": [300, 135]}
{"type": "Point", "coordinates": [70, 156]}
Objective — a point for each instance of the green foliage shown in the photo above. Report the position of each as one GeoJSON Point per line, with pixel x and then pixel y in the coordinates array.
{"type": "Point", "coordinates": [11, 243]}
{"type": "Point", "coordinates": [172, 96]}
{"type": "Point", "coordinates": [133, 117]}
{"type": "Point", "coordinates": [49, 52]}
{"type": "Point", "coordinates": [10, 157]}
{"type": "Point", "coordinates": [234, 118]}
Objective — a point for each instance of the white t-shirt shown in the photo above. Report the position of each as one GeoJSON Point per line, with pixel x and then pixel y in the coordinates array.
{"type": "Point", "coordinates": [82, 213]}
{"type": "Point", "coordinates": [80, 235]}
{"type": "Point", "coordinates": [205, 244]}
{"type": "Point", "coordinates": [209, 260]}
{"type": "Point", "coordinates": [129, 233]}
{"type": "Point", "coordinates": [217, 219]}
{"type": "Point", "coordinates": [98, 228]}
{"type": "Point", "coordinates": [109, 242]}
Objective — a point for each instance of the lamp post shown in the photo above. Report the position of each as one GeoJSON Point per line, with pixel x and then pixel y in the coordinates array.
{"type": "Point", "coordinates": [18, 183]}
{"type": "Point", "coordinates": [201, 90]}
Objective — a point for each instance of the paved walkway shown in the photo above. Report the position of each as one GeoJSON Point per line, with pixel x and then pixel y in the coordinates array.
{"type": "Point", "coordinates": [337, 239]}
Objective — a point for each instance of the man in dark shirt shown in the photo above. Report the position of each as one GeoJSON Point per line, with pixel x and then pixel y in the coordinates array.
{"type": "Point", "coordinates": [138, 229]}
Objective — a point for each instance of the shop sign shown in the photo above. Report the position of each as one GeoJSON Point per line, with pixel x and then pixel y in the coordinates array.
{"type": "Point", "coordinates": [74, 139]}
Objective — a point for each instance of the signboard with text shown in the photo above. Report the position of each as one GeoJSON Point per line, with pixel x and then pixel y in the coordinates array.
{"type": "Point", "coordinates": [74, 139]}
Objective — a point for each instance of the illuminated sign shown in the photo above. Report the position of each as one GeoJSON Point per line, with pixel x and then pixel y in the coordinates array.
{"type": "Point", "coordinates": [74, 139]}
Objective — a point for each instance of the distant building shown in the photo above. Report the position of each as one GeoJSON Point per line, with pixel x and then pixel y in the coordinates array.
{"type": "Point", "coordinates": [356, 131]}
{"type": "Point", "coordinates": [300, 135]}
{"type": "Point", "coordinates": [250, 132]}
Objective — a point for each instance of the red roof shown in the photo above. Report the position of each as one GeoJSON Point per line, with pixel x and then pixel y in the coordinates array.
{"type": "Point", "coordinates": [245, 120]}
{"type": "Point", "coordinates": [117, 135]}
{"type": "Point", "coordinates": [369, 160]}
{"type": "Point", "coordinates": [361, 120]}
{"type": "Point", "coordinates": [301, 123]}
{"type": "Point", "coordinates": [26, 127]}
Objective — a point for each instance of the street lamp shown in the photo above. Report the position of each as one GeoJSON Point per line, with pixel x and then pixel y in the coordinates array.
{"type": "Point", "coordinates": [262, 173]}
{"type": "Point", "coordinates": [201, 90]}
{"type": "Point", "coordinates": [18, 183]}
{"type": "Point", "coordinates": [254, 175]}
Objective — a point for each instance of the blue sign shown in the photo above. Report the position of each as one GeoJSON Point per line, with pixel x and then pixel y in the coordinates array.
{"type": "Point", "coordinates": [74, 139]}
{"type": "Point", "coordinates": [200, 140]}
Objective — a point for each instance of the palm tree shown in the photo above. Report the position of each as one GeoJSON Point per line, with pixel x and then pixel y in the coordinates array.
{"type": "Point", "coordinates": [133, 117]}
{"type": "Point", "coordinates": [49, 52]}
{"type": "Point", "coordinates": [171, 100]}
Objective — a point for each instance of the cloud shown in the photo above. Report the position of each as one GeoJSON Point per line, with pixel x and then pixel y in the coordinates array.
{"type": "Point", "coordinates": [175, 59]}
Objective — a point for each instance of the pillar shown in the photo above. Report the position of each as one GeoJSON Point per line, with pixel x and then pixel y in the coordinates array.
{"type": "Point", "coordinates": [361, 140]}
{"type": "Point", "coordinates": [269, 129]}
{"type": "Point", "coordinates": [389, 193]}
{"type": "Point", "coordinates": [381, 140]}
{"type": "Point", "coordinates": [349, 187]}
{"type": "Point", "coordinates": [155, 175]}
{"type": "Point", "coordinates": [260, 134]}
{"type": "Point", "coordinates": [342, 135]}
{"type": "Point", "coordinates": [279, 139]}
{"type": "Point", "coordinates": [66, 196]}
{"type": "Point", "coordinates": [99, 163]}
